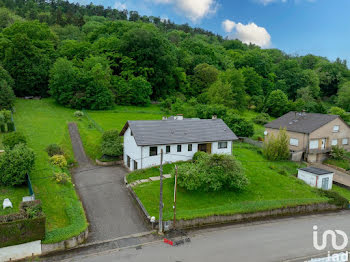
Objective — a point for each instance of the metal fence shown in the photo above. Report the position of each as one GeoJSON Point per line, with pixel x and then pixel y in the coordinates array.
{"type": "Point", "coordinates": [97, 126]}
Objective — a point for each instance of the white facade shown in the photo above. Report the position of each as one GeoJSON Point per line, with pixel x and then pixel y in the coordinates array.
{"type": "Point", "coordinates": [320, 181]}
{"type": "Point", "coordinates": [138, 157]}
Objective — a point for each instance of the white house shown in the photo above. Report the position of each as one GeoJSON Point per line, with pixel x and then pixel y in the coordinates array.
{"type": "Point", "coordinates": [178, 137]}
{"type": "Point", "coordinates": [316, 177]}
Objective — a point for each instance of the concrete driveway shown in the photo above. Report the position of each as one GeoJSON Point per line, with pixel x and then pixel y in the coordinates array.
{"type": "Point", "coordinates": [110, 209]}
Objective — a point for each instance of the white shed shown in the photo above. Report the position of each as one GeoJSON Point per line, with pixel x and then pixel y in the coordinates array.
{"type": "Point", "coordinates": [316, 177]}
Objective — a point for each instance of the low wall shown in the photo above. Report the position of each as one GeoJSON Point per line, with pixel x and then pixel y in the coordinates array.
{"type": "Point", "coordinates": [65, 244]}
{"type": "Point", "coordinates": [287, 211]}
{"type": "Point", "coordinates": [141, 207]}
{"type": "Point", "coordinates": [20, 251]}
{"type": "Point", "coordinates": [112, 163]}
{"type": "Point", "coordinates": [337, 168]}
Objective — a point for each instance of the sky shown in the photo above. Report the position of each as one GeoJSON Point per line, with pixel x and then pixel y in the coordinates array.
{"type": "Point", "coordinates": [298, 27]}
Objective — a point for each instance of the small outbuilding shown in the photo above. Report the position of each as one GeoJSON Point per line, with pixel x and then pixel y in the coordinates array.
{"type": "Point", "coordinates": [316, 177]}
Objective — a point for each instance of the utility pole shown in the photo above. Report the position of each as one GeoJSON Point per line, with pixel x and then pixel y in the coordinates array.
{"type": "Point", "coordinates": [175, 189]}
{"type": "Point", "coordinates": [161, 194]}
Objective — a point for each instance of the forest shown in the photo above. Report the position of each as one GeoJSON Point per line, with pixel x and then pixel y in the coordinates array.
{"type": "Point", "coordinates": [93, 57]}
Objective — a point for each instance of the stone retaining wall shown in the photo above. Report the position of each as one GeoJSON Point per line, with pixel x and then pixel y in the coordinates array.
{"type": "Point", "coordinates": [337, 168]}
{"type": "Point", "coordinates": [112, 163]}
{"type": "Point", "coordinates": [65, 244]}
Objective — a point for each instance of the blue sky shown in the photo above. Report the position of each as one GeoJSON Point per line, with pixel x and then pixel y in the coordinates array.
{"type": "Point", "coordinates": [321, 27]}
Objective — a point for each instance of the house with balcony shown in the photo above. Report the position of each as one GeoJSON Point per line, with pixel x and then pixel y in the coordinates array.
{"type": "Point", "coordinates": [311, 136]}
{"type": "Point", "coordinates": [178, 137]}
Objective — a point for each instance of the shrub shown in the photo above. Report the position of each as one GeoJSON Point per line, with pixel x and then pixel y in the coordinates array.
{"type": "Point", "coordinates": [262, 119]}
{"type": "Point", "coordinates": [10, 127]}
{"type": "Point", "coordinates": [12, 139]}
{"type": "Point", "coordinates": [277, 148]}
{"type": "Point", "coordinates": [335, 198]}
{"type": "Point", "coordinates": [212, 173]}
{"type": "Point", "coordinates": [337, 153]}
{"type": "Point", "coordinates": [59, 161]}
{"type": "Point", "coordinates": [111, 143]}
{"type": "Point", "coordinates": [54, 149]}
{"type": "Point", "coordinates": [62, 178]}
{"type": "Point", "coordinates": [240, 126]}
{"type": "Point", "coordinates": [78, 114]}
{"type": "Point", "coordinates": [15, 164]}
{"type": "Point", "coordinates": [199, 155]}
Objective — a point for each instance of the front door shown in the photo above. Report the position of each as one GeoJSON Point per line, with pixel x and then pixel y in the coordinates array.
{"type": "Point", "coordinates": [323, 144]}
{"type": "Point", "coordinates": [325, 182]}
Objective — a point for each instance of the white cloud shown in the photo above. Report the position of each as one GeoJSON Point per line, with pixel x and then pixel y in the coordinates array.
{"type": "Point", "coordinates": [120, 6]}
{"type": "Point", "coordinates": [228, 25]}
{"type": "Point", "coordinates": [192, 9]}
{"type": "Point", "coordinates": [249, 33]}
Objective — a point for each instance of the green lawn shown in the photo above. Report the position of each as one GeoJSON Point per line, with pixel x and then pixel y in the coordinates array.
{"type": "Point", "coordinates": [342, 191]}
{"type": "Point", "coordinates": [15, 195]}
{"type": "Point", "coordinates": [270, 187]}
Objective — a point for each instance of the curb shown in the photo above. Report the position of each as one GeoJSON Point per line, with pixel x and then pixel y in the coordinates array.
{"type": "Point", "coordinates": [112, 163]}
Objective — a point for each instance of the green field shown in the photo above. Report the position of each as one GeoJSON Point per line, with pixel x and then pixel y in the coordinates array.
{"type": "Point", "coordinates": [44, 122]}
{"type": "Point", "coordinates": [270, 187]}
{"type": "Point", "coordinates": [15, 195]}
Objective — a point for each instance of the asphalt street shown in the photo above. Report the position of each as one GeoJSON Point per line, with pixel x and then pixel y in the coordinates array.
{"type": "Point", "coordinates": [277, 240]}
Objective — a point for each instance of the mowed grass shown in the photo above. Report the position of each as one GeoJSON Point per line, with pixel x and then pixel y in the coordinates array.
{"type": "Point", "coordinates": [43, 122]}
{"type": "Point", "coordinates": [268, 189]}
{"type": "Point", "coordinates": [342, 191]}
{"type": "Point", "coordinates": [113, 119]}
{"type": "Point", "coordinates": [15, 194]}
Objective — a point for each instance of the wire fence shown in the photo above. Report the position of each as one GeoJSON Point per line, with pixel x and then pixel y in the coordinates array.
{"type": "Point", "coordinates": [93, 122]}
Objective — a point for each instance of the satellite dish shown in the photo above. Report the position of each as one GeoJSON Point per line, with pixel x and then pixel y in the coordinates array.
{"type": "Point", "coordinates": [265, 133]}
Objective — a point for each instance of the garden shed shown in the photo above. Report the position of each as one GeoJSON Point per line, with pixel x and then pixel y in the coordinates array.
{"type": "Point", "coordinates": [316, 177]}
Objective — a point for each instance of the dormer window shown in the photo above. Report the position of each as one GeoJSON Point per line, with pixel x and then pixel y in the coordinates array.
{"type": "Point", "coordinates": [336, 129]}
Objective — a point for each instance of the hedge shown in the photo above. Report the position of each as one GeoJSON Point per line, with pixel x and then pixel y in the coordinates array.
{"type": "Point", "coordinates": [20, 228]}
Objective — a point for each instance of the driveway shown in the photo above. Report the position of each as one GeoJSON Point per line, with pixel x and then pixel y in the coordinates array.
{"type": "Point", "coordinates": [110, 209]}
{"type": "Point", "coordinates": [339, 177]}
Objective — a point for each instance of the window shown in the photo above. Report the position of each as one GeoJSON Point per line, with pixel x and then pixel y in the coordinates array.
{"type": "Point", "coordinates": [313, 144]}
{"type": "Point", "coordinates": [135, 165]}
{"type": "Point", "coordinates": [294, 142]}
{"type": "Point", "coordinates": [167, 150]}
{"type": "Point", "coordinates": [178, 148]}
{"type": "Point", "coordinates": [345, 141]}
{"type": "Point", "coordinates": [153, 151]}
{"type": "Point", "coordinates": [131, 133]}
{"type": "Point", "coordinates": [189, 147]}
{"type": "Point", "coordinates": [128, 161]}
{"type": "Point", "coordinates": [334, 142]}
{"type": "Point", "coordinates": [222, 145]}
{"type": "Point", "coordinates": [336, 129]}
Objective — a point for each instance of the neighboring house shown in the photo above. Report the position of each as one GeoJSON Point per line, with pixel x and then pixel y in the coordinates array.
{"type": "Point", "coordinates": [178, 137]}
{"type": "Point", "coordinates": [311, 135]}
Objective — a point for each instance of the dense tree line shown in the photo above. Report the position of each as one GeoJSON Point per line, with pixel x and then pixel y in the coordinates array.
{"type": "Point", "coordinates": [91, 57]}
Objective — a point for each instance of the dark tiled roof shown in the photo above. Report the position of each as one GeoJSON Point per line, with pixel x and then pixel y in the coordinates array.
{"type": "Point", "coordinates": [316, 171]}
{"type": "Point", "coordinates": [301, 122]}
{"type": "Point", "coordinates": [163, 132]}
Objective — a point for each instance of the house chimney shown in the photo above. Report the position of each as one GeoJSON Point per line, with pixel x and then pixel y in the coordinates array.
{"type": "Point", "coordinates": [179, 117]}
{"type": "Point", "coordinates": [214, 117]}
{"type": "Point", "coordinates": [164, 118]}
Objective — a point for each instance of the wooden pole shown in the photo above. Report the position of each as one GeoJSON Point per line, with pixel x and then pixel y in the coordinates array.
{"type": "Point", "coordinates": [160, 231]}
{"type": "Point", "coordinates": [175, 189]}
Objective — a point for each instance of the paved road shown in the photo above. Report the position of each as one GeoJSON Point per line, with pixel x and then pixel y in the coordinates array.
{"type": "Point", "coordinates": [339, 177]}
{"type": "Point", "coordinates": [110, 209]}
{"type": "Point", "coordinates": [278, 240]}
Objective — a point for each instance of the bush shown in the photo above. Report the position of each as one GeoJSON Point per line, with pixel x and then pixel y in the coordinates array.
{"type": "Point", "coordinates": [78, 114]}
{"type": "Point", "coordinates": [261, 119]}
{"type": "Point", "coordinates": [335, 198]}
{"type": "Point", "coordinates": [10, 127]}
{"type": "Point", "coordinates": [111, 143]}
{"type": "Point", "coordinates": [15, 164]}
{"type": "Point", "coordinates": [12, 139]}
{"type": "Point", "coordinates": [199, 155]}
{"type": "Point", "coordinates": [212, 173]}
{"type": "Point", "coordinates": [337, 153]}
{"type": "Point", "coordinates": [62, 178]}
{"type": "Point", "coordinates": [59, 161]}
{"type": "Point", "coordinates": [240, 126]}
{"type": "Point", "coordinates": [54, 149]}
{"type": "Point", "coordinates": [7, 96]}
{"type": "Point", "coordinates": [277, 148]}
